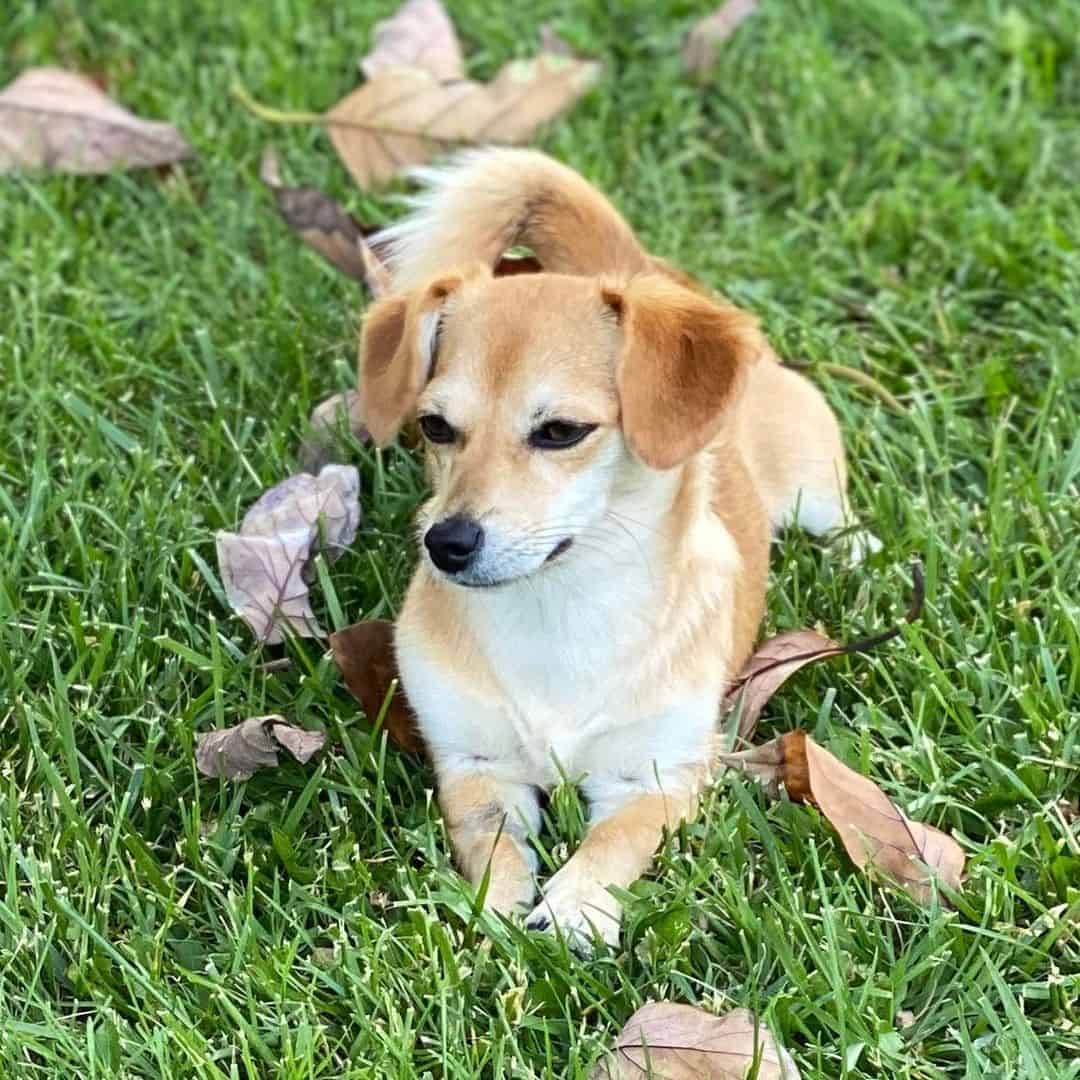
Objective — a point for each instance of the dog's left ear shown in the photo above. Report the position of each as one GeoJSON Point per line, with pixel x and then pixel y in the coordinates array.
{"type": "Point", "coordinates": [398, 349]}
{"type": "Point", "coordinates": [684, 358]}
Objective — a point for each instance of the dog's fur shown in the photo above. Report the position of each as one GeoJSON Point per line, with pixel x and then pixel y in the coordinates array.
{"type": "Point", "coordinates": [602, 662]}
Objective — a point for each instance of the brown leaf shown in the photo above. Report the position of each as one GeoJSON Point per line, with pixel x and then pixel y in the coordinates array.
{"type": "Point", "coordinates": [238, 752]}
{"type": "Point", "coordinates": [419, 35]}
{"type": "Point", "coordinates": [326, 227]}
{"type": "Point", "coordinates": [874, 832]}
{"type": "Point", "coordinates": [772, 664]}
{"type": "Point", "coordinates": [680, 1042]}
{"type": "Point", "coordinates": [60, 121]}
{"type": "Point", "coordinates": [364, 653]}
{"type": "Point", "coordinates": [405, 116]}
{"type": "Point", "coordinates": [263, 566]}
{"type": "Point", "coordinates": [705, 37]}
{"type": "Point", "coordinates": [779, 762]}
{"type": "Point", "coordinates": [777, 659]}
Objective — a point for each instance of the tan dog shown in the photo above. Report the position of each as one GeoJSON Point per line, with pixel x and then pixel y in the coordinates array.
{"type": "Point", "coordinates": [607, 449]}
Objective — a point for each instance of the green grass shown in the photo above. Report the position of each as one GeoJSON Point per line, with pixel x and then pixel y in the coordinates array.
{"type": "Point", "coordinates": [891, 186]}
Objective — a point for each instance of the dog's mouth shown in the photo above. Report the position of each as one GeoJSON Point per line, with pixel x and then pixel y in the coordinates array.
{"type": "Point", "coordinates": [561, 547]}
{"type": "Point", "coordinates": [466, 581]}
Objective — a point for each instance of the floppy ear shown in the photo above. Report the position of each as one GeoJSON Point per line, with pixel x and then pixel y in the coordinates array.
{"type": "Point", "coordinates": [684, 358]}
{"type": "Point", "coordinates": [397, 353]}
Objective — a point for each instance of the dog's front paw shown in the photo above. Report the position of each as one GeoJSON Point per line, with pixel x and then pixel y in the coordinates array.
{"type": "Point", "coordinates": [510, 895]}
{"type": "Point", "coordinates": [578, 906]}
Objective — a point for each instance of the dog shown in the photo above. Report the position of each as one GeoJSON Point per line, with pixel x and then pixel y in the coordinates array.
{"type": "Point", "coordinates": [609, 450]}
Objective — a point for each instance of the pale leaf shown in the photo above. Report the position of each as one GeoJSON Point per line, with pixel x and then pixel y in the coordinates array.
{"type": "Point", "coordinates": [61, 122]}
{"type": "Point", "coordinates": [263, 566]}
{"type": "Point", "coordinates": [238, 752]}
{"type": "Point", "coordinates": [681, 1042]}
{"type": "Point", "coordinates": [419, 35]}
{"type": "Point", "coordinates": [264, 582]}
{"type": "Point", "coordinates": [404, 117]}
{"type": "Point", "coordinates": [707, 35]}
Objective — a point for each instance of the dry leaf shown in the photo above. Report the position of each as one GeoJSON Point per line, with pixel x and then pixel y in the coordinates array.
{"type": "Point", "coordinates": [60, 121]}
{"type": "Point", "coordinates": [264, 582]}
{"type": "Point", "coordinates": [705, 37]}
{"type": "Point", "coordinates": [680, 1042]}
{"type": "Point", "coordinates": [325, 226]}
{"type": "Point", "coordinates": [769, 668]}
{"type": "Point", "coordinates": [238, 752]}
{"type": "Point", "coordinates": [778, 658]}
{"type": "Point", "coordinates": [364, 652]}
{"type": "Point", "coordinates": [263, 566]}
{"type": "Point", "coordinates": [419, 35]}
{"type": "Point", "coordinates": [552, 44]}
{"type": "Point", "coordinates": [329, 502]}
{"type": "Point", "coordinates": [405, 116]}
{"type": "Point", "coordinates": [319, 442]}
{"type": "Point", "coordinates": [873, 831]}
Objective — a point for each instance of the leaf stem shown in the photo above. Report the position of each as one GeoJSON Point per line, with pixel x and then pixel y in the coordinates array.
{"type": "Point", "coordinates": [274, 116]}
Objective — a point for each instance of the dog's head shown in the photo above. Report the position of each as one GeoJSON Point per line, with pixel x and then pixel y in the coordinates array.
{"type": "Point", "coordinates": [543, 396]}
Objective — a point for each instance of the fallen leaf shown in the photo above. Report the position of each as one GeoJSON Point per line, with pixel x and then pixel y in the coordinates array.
{"type": "Point", "coordinates": [706, 36]}
{"type": "Point", "coordinates": [779, 657]}
{"type": "Point", "coordinates": [263, 566]}
{"type": "Point", "coordinates": [61, 122]}
{"type": "Point", "coordinates": [681, 1042]}
{"type": "Point", "coordinates": [264, 583]}
{"type": "Point", "coordinates": [364, 653]}
{"type": "Point", "coordinates": [874, 832]}
{"type": "Point", "coordinates": [405, 116]}
{"type": "Point", "coordinates": [319, 443]}
{"type": "Point", "coordinates": [419, 35]}
{"type": "Point", "coordinates": [326, 227]}
{"type": "Point", "coordinates": [552, 44]}
{"type": "Point", "coordinates": [238, 752]}
{"type": "Point", "coordinates": [772, 664]}
{"type": "Point", "coordinates": [330, 500]}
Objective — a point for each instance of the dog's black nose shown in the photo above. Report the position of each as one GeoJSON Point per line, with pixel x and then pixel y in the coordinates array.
{"type": "Point", "coordinates": [453, 543]}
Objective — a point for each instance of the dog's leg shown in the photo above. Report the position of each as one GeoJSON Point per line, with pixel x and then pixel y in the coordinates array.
{"type": "Point", "coordinates": [617, 850]}
{"type": "Point", "coordinates": [489, 821]}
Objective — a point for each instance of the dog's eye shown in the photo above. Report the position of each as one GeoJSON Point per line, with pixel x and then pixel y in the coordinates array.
{"type": "Point", "coordinates": [559, 434]}
{"type": "Point", "coordinates": [436, 429]}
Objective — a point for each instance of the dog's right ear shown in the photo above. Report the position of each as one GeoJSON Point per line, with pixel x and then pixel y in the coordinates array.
{"type": "Point", "coordinates": [397, 353]}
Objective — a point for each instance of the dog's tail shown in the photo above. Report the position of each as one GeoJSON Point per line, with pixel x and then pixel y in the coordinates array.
{"type": "Point", "coordinates": [486, 201]}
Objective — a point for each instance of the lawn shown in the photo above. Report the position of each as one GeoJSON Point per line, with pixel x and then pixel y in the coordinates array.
{"type": "Point", "coordinates": [892, 186]}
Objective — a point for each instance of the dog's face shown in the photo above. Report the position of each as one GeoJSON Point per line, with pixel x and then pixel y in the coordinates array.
{"type": "Point", "coordinates": [541, 397]}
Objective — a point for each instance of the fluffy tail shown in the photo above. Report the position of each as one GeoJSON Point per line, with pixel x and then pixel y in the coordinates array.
{"type": "Point", "coordinates": [486, 201]}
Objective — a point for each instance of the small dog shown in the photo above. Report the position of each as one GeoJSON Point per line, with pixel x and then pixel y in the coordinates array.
{"type": "Point", "coordinates": [608, 449]}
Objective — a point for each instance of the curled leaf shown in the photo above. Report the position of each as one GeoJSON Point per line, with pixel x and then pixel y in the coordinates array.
{"type": "Point", "coordinates": [62, 122]}
{"type": "Point", "coordinates": [779, 657]}
{"type": "Point", "coordinates": [418, 35]}
{"type": "Point", "coordinates": [405, 116]}
{"type": "Point", "coordinates": [681, 1042]}
{"type": "Point", "coordinates": [326, 227]}
{"type": "Point", "coordinates": [318, 445]}
{"type": "Point", "coordinates": [238, 752]}
{"type": "Point", "coordinates": [875, 834]}
{"type": "Point", "coordinates": [263, 566]}
{"type": "Point", "coordinates": [364, 653]}
{"type": "Point", "coordinates": [773, 663]}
